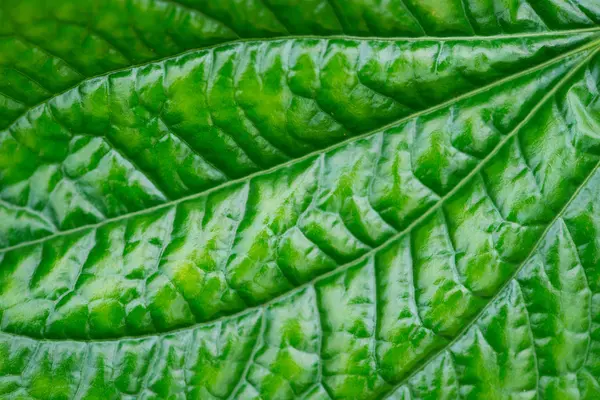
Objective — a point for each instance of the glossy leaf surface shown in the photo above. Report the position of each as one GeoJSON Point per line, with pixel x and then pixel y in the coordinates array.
{"type": "Point", "coordinates": [278, 199]}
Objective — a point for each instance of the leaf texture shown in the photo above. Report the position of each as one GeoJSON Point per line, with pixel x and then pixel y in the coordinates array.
{"type": "Point", "coordinates": [282, 199]}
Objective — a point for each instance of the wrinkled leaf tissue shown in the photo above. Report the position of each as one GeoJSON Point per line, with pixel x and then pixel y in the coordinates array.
{"type": "Point", "coordinates": [275, 199]}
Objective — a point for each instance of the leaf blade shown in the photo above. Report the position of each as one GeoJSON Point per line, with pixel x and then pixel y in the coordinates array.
{"type": "Point", "coordinates": [445, 249]}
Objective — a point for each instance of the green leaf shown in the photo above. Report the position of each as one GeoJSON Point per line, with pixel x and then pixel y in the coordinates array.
{"type": "Point", "coordinates": [283, 199]}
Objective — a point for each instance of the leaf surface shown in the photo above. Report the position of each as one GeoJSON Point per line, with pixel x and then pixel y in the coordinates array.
{"type": "Point", "coordinates": [283, 199]}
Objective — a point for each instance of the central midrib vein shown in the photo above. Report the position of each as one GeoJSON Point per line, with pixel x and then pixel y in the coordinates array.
{"type": "Point", "coordinates": [309, 155]}
{"type": "Point", "coordinates": [427, 360]}
{"type": "Point", "coordinates": [364, 257]}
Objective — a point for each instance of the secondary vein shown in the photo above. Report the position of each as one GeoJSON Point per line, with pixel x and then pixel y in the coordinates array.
{"type": "Point", "coordinates": [307, 156]}
{"type": "Point", "coordinates": [392, 239]}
